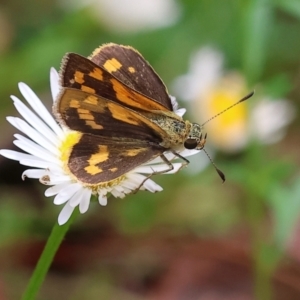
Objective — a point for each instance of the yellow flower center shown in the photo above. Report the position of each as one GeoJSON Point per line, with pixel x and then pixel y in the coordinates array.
{"type": "Point", "coordinates": [229, 130]}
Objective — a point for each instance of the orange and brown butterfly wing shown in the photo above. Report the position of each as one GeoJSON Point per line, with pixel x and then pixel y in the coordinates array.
{"type": "Point", "coordinates": [81, 73]}
{"type": "Point", "coordinates": [129, 66]}
{"type": "Point", "coordinates": [95, 159]}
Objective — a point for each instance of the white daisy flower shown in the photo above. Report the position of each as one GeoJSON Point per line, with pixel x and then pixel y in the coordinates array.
{"type": "Point", "coordinates": [44, 142]}
{"type": "Point", "coordinates": [209, 89]}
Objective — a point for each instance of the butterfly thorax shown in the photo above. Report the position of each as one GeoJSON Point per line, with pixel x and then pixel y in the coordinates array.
{"type": "Point", "coordinates": [178, 131]}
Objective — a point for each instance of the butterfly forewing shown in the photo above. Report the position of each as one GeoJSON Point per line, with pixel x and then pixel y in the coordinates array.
{"type": "Point", "coordinates": [81, 73]}
{"type": "Point", "coordinates": [129, 66]}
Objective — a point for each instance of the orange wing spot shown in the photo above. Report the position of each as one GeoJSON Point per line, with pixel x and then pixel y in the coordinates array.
{"type": "Point", "coordinates": [118, 113]}
{"type": "Point", "coordinates": [88, 89]}
{"type": "Point", "coordinates": [97, 74]}
{"type": "Point", "coordinates": [113, 169]}
{"type": "Point", "coordinates": [74, 103]}
{"type": "Point", "coordinates": [112, 65]}
{"type": "Point", "coordinates": [97, 158]}
{"type": "Point", "coordinates": [78, 77]}
{"type": "Point", "coordinates": [131, 69]}
{"type": "Point", "coordinates": [133, 98]}
{"type": "Point", "coordinates": [83, 111]}
{"type": "Point", "coordinates": [86, 117]}
{"type": "Point", "coordinates": [93, 170]}
{"type": "Point", "coordinates": [91, 100]}
{"type": "Point", "coordinates": [93, 124]}
{"type": "Point", "coordinates": [134, 152]}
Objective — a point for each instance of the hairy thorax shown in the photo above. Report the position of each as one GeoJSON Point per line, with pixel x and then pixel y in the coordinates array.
{"type": "Point", "coordinates": [177, 130]}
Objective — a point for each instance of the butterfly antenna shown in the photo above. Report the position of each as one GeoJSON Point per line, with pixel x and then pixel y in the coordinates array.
{"type": "Point", "coordinates": [229, 107]}
{"type": "Point", "coordinates": [221, 174]}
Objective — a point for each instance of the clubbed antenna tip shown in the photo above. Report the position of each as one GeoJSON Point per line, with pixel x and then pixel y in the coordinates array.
{"type": "Point", "coordinates": [221, 174]}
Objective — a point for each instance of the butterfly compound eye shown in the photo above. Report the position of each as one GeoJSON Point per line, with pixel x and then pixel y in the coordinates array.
{"type": "Point", "coordinates": [190, 144]}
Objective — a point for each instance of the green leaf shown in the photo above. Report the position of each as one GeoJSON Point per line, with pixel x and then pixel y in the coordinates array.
{"type": "Point", "coordinates": [258, 19]}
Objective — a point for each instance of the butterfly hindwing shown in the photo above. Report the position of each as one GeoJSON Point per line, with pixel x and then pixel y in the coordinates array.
{"type": "Point", "coordinates": [129, 66]}
{"type": "Point", "coordinates": [81, 73]}
{"type": "Point", "coordinates": [96, 159]}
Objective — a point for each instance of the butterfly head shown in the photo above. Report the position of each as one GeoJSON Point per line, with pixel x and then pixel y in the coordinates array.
{"type": "Point", "coordinates": [195, 138]}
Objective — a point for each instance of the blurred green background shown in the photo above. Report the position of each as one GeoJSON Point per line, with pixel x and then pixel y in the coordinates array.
{"type": "Point", "coordinates": [198, 238]}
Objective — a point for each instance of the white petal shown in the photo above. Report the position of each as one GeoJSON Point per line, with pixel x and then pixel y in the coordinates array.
{"type": "Point", "coordinates": [36, 163]}
{"type": "Point", "coordinates": [33, 173]}
{"type": "Point", "coordinates": [58, 199]}
{"type": "Point", "coordinates": [32, 133]}
{"type": "Point", "coordinates": [129, 184]}
{"type": "Point", "coordinates": [136, 178]}
{"type": "Point", "coordinates": [102, 199]}
{"type": "Point", "coordinates": [169, 156]}
{"type": "Point", "coordinates": [126, 190]}
{"type": "Point", "coordinates": [176, 167]}
{"type": "Point", "coordinates": [77, 197]}
{"type": "Point", "coordinates": [36, 150]}
{"type": "Point", "coordinates": [151, 186]}
{"type": "Point", "coordinates": [56, 179]}
{"type": "Point", "coordinates": [34, 121]}
{"type": "Point", "coordinates": [54, 83]}
{"type": "Point", "coordinates": [146, 169]}
{"type": "Point", "coordinates": [84, 204]}
{"type": "Point", "coordinates": [55, 189]}
{"type": "Point", "coordinates": [174, 103]}
{"type": "Point", "coordinates": [66, 193]}
{"type": "Point", "coordinates": [187, 152]}
{"type": "Point", "coordinates": [12, 121]}
{"type": "Point", "coordinates": [180, 112]}
{"type": "Point", "coordinates": [15, 155]}
{"type": "Point", "coordinates": [117, 194]}
{"type": "Point", "coordinates": [65, 214]}
{"type": "Point", "coordinates": [122, 189]}
{"type": "Point", "coordinates": [39, 108]}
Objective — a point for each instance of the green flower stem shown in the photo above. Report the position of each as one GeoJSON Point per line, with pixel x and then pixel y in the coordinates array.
{"type": "Point", "coordinates": [42, 267]}
{"type": "Point", "coordinates": [262, 266]}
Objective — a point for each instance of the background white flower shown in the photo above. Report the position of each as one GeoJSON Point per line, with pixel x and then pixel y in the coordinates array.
{"type": "Point", "coordinates": [208, 89]}
{"type": "Point", "coordinates": [269, 119]}
{"type": "Point", "coordinates": [130, 15]}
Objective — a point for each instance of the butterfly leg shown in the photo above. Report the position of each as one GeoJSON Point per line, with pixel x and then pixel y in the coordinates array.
{"type": "Point", "coordinates": [186, 161]}
{"type": "Point", "coordinates": [170, 168]}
